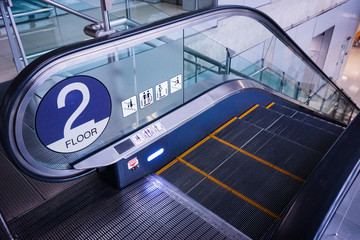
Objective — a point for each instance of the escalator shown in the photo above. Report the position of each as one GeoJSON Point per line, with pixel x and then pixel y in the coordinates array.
{"type": "Point", "coordinates": [163, 132]}
{"type": "Point", "coordinates": [248, 171]}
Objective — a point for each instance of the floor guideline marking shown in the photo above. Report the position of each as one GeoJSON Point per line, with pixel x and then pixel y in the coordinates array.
{"type": "Point", "coordinates": [248, 111]}
{"type": "Point", "coordinates": [270, 105]}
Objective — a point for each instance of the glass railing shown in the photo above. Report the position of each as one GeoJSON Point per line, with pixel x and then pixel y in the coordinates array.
{"type": "Point", "coordinates": [266, 60]}
{"type": "Point", "coordinates": [75, 101]}
{"type": "Point", "coordinates": [29, 10]}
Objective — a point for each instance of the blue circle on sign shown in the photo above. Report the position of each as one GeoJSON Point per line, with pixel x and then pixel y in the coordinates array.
{"type": "Point", "coordinates": [73, 114]}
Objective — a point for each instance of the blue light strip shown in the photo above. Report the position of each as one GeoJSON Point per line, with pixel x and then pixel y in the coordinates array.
{"type": "Point", "coordinates": [155, 154]}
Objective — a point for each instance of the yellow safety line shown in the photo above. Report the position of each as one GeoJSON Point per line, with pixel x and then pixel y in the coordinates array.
{"type": "Point", "coordinates": [224, 126]}
{"type": "Point", "coordinates": [194, 147]}
{"type": "Point", "coordinates": [259, 159]}
{"type": "Point", "coordinates": [166, 167]}
{"type": "Point", "coordinates": [270, 105]}
{"type": "Point", "coordinates": [230, 189]}
{"type": "Point", "coordinates": [248, 111]}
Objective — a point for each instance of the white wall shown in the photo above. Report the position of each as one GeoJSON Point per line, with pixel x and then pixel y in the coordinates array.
{"type": "Point", "coordinates": [249, 3]}
{"type": "Point", "coordinates": [303, 20]}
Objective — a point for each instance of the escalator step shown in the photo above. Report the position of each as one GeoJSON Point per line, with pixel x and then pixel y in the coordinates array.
{"type": "Point", "coordinates": [303, 117]}
{"type": "Point", "coordinates": [239, 132]}
{"type": "Point", "coordinates": [303, 134]}
{"type": "Point", "coordinates": [262, 117]}
{"type": "Point", "coordinates": [329, 127]}
{"type": "Point", "coordinates": [182, 176]}
{"type": "Point", "coordinates": [239, 184]}
{"type": "Point", "coordinates": [283, 110]}
{"type": "Point", "coordinates": [285, 154]}
{"type": "Point", "coordinates": [249, 170]}
{"type": "Point", "coordinates": [216, 151]}
{"type": "Point", "coordinates": [233, 209]}
{"type": "Point", "coordinates": [274, 149]}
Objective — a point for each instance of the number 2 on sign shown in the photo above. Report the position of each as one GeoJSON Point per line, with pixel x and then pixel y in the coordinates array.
{"type": "Point", "coordinates": [85, 101]}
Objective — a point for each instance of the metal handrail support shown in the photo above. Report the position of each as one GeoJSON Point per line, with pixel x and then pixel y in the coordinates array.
{"type": "Point", "coordinates": [282, 76]}
{"type": "Point", "coordinates": [12, 43]}
{"type": "Point", "coordinates": [16, 33]}
{"type": "Point", "coordinates": [70, 10]}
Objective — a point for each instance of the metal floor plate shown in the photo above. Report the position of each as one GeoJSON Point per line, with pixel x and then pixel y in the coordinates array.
{"type": "Point", "coordinates": [93, 210]}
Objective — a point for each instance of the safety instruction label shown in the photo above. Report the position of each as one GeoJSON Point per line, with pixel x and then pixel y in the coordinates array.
{"type": "Point", "coordinates": [175, 83]}
{"type": "Point", "coordinates": [129, 106]}
{"type": "Point", "coordinates": [146, 98]}
{"type": "Point", "coordinates": [158, 127]}
{"type": "Point", "coordinates": [161, 90]}
{"type": "Point", "coordinates": [147, 133]}
{"type": "Point", "coordinates": [73, 114]}
{"type": "Point", "coordinates": [137, 139]}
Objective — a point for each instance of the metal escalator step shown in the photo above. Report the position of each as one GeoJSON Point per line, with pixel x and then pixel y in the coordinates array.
{"type": "Point", "coordinates": [306, 118]}
{"type": "Point", "coordinates": [299, 116]}
{"type": "Point", "coordinates": [209, 155]}
{"type": "Point", "coordinates": [239, 132]}
{"type": "Point", "coordinates": [283, 110]}
{"type": "Point", "coordinates": [182, 176]}
{"type": "Point", "coordinates": [234, 210]}
{"type": "Point", "coordinates": [327, 126]}
{"type": "Point", "coordinates": [98, 211]}
{"type": "Point", "coordinates": [258, 225]}
{"type": "Point", "coordinates": [277, 192]}
{"type": "Point", "coordinates": [250, 178]}
{"type": "Point", "coordinates": [247, 177]}
{"type": "Point", "coordinates": [262, 117]}
{"type": "Point", "coordinates": [277, 150]}
{"type": "Point", "coordinates": [303, 134]}
{"type": "Point", "coordinates": [285, 154]}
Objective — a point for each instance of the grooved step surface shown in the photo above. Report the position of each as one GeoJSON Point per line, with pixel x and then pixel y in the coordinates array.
{"type": "Point", "coordinates": [316, 122]}
{"type": "Point", "coordinates": [248, 171]}
{"type": "Point", "coordinates": [94, 210]}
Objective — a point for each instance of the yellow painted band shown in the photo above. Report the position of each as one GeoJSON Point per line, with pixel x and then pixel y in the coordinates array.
{"type": "Point", "coordinates": [166, 167]}
{"type": "Point", "coordinates": [248, 111]}
{"type": "Point", "coordinates": [194, 147]}
{"type": "Point", "coordinates": [225, 125]}
{"type": "Point", "coordinates": [270, 105]}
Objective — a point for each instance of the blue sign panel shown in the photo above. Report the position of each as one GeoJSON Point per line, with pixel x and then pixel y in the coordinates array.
{"type": "Point", "coordinates": [73, 114]}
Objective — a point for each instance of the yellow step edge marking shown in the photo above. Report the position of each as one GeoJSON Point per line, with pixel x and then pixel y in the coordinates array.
{"type": "Point", "coordinates": [194, 147]}
{"type": "Point", "coordinates": [166, 167]}
{"type": "Point", "coordinates": [224, 126]}
{"type": "Point", "coordinates": [233, 191]}
{"type": "Point", "coordinates": [270, 105]}
{"type": "Point", "coordinates": [248, 111]}
{"type": "Point", "coordinates": [260, 160]}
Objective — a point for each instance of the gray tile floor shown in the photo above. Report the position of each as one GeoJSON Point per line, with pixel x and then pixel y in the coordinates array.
{"type": "Point", "coordinates": [345, 224]}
